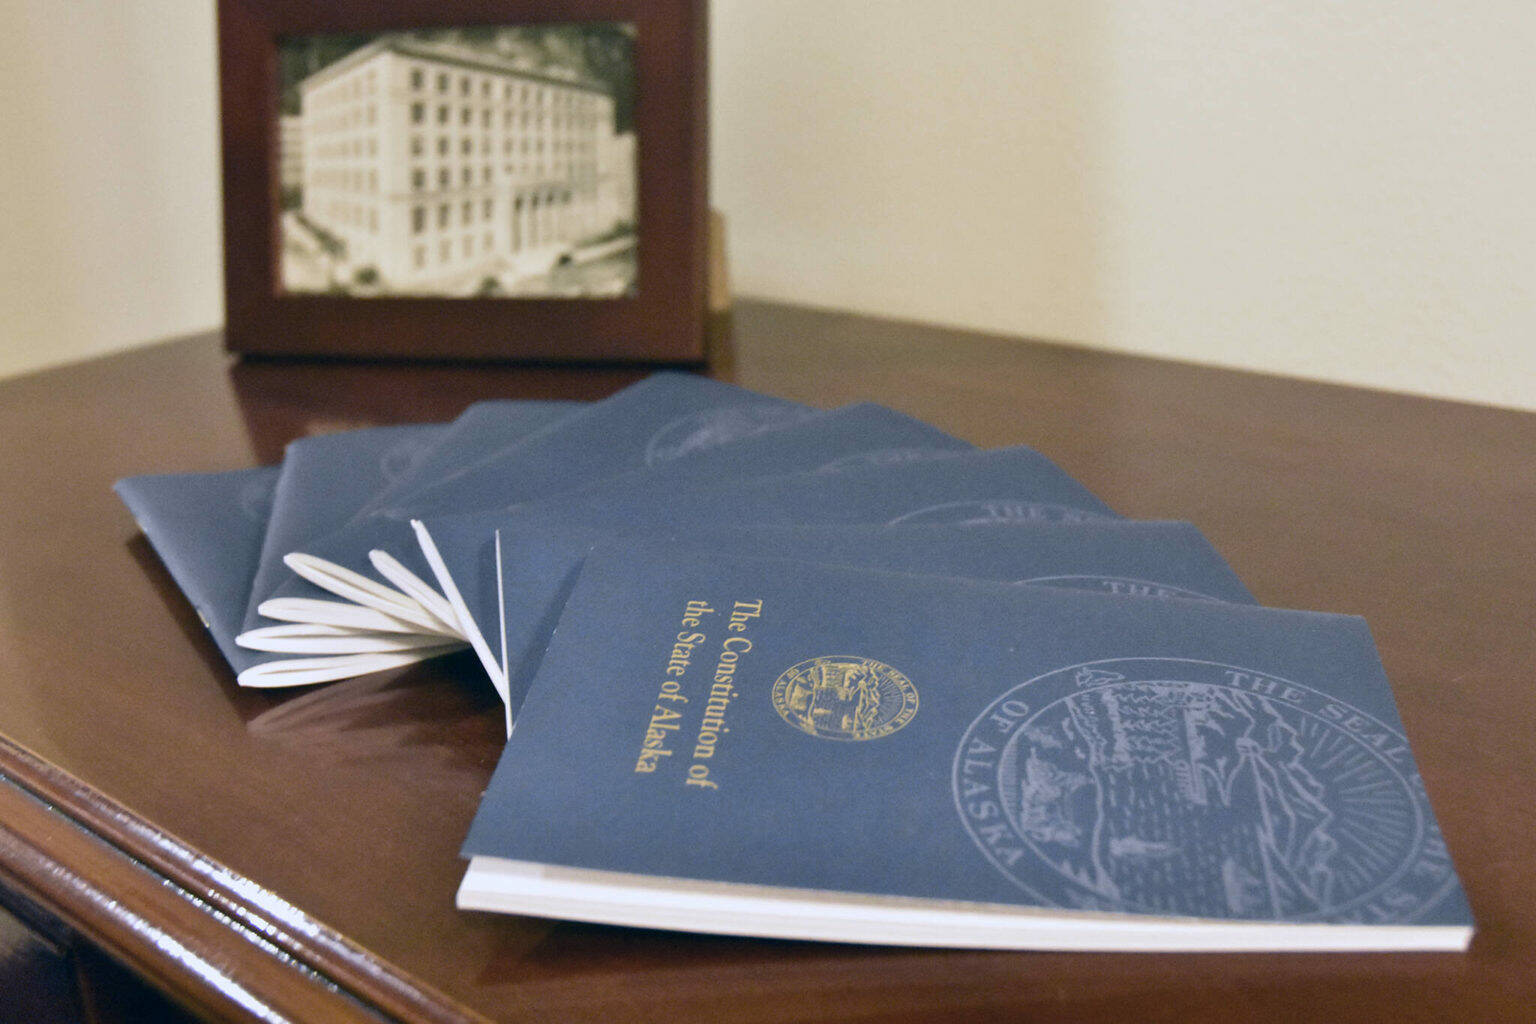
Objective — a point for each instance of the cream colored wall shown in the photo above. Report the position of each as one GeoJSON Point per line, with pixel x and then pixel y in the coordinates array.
{"type": "Point", "coordinates": [109, 194]}
{"type": "Point", "coordinates": [1332, 190]}
{"type": "Point", "coordinates": [1336, 190]}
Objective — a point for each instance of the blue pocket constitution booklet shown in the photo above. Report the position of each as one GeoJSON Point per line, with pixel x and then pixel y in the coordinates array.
{"type": "Point", "coordinates": [330, 481]}
{"type": "Point", "coordinates": [510, 571]}
{"type": "Point", "coordinates": [815, 442]}
{"type": "Point", "coordinates": [322, 484]}
{"type": "Point", "coordinates": [480, 433]}
{"type": "Point", "coordinates": [223, 535]}
{"type": "Point", "coordinates": [207, 529]}
{"type": "Point", "coordinates": [1113, 556]}
{"type": "Point", "coordinates": [768, 748]}
{"type": "Point", "coordinates": [664, 417]}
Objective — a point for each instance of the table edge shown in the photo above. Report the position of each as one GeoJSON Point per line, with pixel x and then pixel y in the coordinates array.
{"type": "Point", "coordinates": [207, 935]}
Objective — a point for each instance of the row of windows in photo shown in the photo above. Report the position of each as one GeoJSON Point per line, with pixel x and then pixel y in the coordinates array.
{"type": "Point", "coordinates": [537, 93]}
{"type": "Point", "coordinates": [342, 180]}
{"type": "Point", "coordinates": [363, 146]}
{"type": "Point", "coordinates": [349, 88]}
{"type": "Point", "coordinates": [530, 204]}
{"type": "Point", "coordinates": [337, 214]}
{"type": "Point", "coordinates": [527, 120]}
{"type": "Point", "coordinates": [344, 121]}
{"type": "Point", "coordinates": [367, 115]}
{"type": "Point", "coordinates": [576, 174]}
{"type": "Point", "coordinates": [525, 145]}
{"type": "Point", "coordinates": [365, 217]}
{"type": "Point", "coordinates": [367, 146]}
{"type": "Point", "coordinates": [450, 255]}
{"type": "Point", "coordinates": [366, 180]}
{"type": "Point", "coordinates": [445, 250]}
{"type": "Point", "coordinates": [507, 87]}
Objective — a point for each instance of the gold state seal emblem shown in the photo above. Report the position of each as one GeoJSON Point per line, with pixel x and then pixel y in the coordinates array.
{"type": "Point", "coordinates": [843, 697]}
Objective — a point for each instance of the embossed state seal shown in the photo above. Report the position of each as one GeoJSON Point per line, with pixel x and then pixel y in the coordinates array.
{"type": "Point", "coordinates": [1118, 585]}
{"type": "Point", "coordinates": [843, 697]}
{"type": "Point", "coordinates": [710, 428]}
{"type": "Point", "coordinates": [1177, 787]}
{"type": "Point", "coordinates": [401, 458]}
{"type": "Point", "coordinates": [885, 457]}
{"type": "Point", "coordinates": [255, 500]}
{"type": "Point", "coordinates": [998, 510]}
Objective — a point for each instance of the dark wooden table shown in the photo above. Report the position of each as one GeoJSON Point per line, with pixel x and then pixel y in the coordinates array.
{"type": "Point", "coordinates": [295, 854]}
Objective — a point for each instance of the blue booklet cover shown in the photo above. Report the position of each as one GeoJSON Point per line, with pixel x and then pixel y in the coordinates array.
{"type": "Point", "coordinates": [1115, 556]}
{"type": "Point", "coordinates": [211, 529]}
{"type": "Point", "coordinates": [511, 599]}
{"type": "Point", "coordinates": [207, 529]}
{"type": "Point", "coordinates": [851, 436]}
{"type": "Point", "coordinates": [860, 434]}
{"type": "Point", "coordinates": [332, 480]}
{"type": "Point", "coordinates": [769, 748]}
{"type": "Point", "coordinates": [663, 417]}
{"type": "Point", "coordinates": [323, 482]}
{"type": "Point", "coordinates": [480, 433]}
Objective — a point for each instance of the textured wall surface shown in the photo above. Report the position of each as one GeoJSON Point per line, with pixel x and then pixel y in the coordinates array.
{"type": "Point", "coordinates": [109, 176]}
{"type": "Point", "coordinates": [1340, 191]}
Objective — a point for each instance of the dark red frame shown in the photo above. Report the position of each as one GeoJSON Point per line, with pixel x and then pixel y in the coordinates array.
{"type": "Point", "coordinates": [662, 322]}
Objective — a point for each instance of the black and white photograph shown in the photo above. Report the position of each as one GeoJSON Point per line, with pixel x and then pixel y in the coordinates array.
{"type": "Point", "coordinates": [469, 162]}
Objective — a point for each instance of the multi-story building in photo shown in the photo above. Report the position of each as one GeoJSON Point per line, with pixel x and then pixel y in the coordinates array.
{"type": "Point", "coordinates": [439, 166]}
{"type": "Point", "coordinates": [290, 151]}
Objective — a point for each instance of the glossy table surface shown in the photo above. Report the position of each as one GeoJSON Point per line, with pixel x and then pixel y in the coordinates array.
{"type": "Point", "coordinates": [294, 854]}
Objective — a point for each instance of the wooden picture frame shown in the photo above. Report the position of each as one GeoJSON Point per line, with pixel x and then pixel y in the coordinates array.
{"type": "Point", "coordinates": [660, 317]}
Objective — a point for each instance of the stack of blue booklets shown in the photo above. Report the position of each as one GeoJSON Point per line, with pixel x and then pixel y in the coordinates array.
{"type": "Point", "coordinates": [833, 674]}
